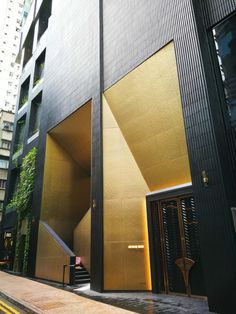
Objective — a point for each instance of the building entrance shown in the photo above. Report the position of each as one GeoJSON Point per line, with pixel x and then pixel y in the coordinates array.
{"type": "Point", "coordinates": [176, 246]}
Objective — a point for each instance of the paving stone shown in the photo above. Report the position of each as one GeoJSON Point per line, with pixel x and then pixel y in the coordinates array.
{"type": "Point", "coordinates": [148, 303]}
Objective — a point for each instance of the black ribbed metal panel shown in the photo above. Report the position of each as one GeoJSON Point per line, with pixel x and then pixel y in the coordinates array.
{"type": "Point", "coordinates": [215, 11]}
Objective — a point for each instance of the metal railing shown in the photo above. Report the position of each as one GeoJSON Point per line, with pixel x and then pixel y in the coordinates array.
{"type": "Point", "coordinates": [64, 271]}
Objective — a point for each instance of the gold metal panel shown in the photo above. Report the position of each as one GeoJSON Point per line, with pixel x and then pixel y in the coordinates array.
{"type": "Point", "coordinates": [82, 235]}
{"type": "Point", "coordinates": [124, 268]}
{"type": "Point", "coordinates": [66, 191]}
{"type": "Point", "coordinates": [124, 213]}
{"type": "Point", "coordinates": [144, 150]}
{"type": "Point", "coordinates": [50, 257]}
{"type": "Point", "coordinates": [74, 135]}
{"type": "Point", "coordinates": [147, 107]}
{"type": "Point", "coordinates": [66, 187]}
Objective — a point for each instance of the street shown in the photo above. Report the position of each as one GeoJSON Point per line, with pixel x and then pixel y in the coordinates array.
{"type": "Point", "coordinates": [8, 307]}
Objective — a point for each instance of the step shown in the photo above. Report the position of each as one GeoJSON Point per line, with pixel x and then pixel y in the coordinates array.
{"type": "Point", "coordinates": [82, 276]}
{"type": "Point", "coordinates": [82, 281]}
{"type": "Point", "coordinates": [81, 272]}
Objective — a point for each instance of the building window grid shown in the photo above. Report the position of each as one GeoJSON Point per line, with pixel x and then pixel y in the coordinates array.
{"type": "Point", "coordinates": [4, 164]}
{"type": "Point", "coordinates": [8, 126]}
{"type": "Point", "coordinates": [3, 184]}
{"type": "Point", "coordinates": [6, 144]}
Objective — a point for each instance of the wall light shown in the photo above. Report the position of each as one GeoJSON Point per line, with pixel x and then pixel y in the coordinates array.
{"type": "Point", "coordinates": [135, 247]}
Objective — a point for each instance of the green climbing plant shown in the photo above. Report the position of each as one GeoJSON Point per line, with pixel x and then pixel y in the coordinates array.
{"type": "Point", "coordinates": [21, 200]}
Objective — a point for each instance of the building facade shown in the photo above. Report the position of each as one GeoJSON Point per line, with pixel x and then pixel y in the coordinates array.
{"type": "Point", "coordinates": [131, 105]}
{"type": "Point", "coordinates": [10, 26]}
{"type": "Point", "coordinates": [6, 131]}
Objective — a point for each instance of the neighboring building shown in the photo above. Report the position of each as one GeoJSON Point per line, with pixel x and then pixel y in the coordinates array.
{"type": "Point", "coordinates": [10, 25]}
{"type": "Point", "coordinates": [132, 107]}
{"type": "Point", "coordinates": [6, 131]}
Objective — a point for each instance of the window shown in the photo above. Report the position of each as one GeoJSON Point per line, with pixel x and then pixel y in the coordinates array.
{"type": "Point", "coordinates": [224, 35]}
{"type": "Point", "coordinates": [44, 14]}
{"type": "Point", "coordinates": [24, 92]}
{"type": "Point", "coordinates": [6, 144]}
{"type": "Point", "coordinates": [39, 68]}
{"type": "Point", "coordinates": [20, 134]}
{"type": "Point", "coordinates": [225, 42]}
{"type": "Point", "coordinates": [4, 163]}
{"type": "Point", "coordinates": [8, 126]}
{"type": "Point", "coordinates": [3, 184]}
{"type": "Point", "coordinates": [28, 46]}
{"type": "Point", "coordinates": [35, 115]}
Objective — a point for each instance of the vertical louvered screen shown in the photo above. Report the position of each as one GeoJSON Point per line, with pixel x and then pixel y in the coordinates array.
{"type": "Point", "coordinates": [172, 245]}
{"type": "Point", "coordinates": [180, 217]}
{"type": "Point", "coordinates": [190, 224]}
{"type": "Point", "coordinates": [192, 243]}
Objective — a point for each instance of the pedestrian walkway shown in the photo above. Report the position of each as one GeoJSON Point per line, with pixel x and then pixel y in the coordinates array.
{"type": "Point", "coordinates": [40, 298]}
{"type": "Point", "coordinates": [147, 303]}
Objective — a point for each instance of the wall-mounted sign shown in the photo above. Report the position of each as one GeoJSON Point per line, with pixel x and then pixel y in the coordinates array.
{"type": "Point", "coordinates": [135, 247]}
{"type": "Point", "coordinates": [7, 235]}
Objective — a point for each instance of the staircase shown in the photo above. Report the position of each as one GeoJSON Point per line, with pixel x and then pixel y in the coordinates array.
{"type": "Point", "coordinates": [81, 276]}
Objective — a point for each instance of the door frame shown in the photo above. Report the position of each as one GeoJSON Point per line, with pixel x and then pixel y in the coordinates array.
{"type": "Point", "coordinates": [155, 248]}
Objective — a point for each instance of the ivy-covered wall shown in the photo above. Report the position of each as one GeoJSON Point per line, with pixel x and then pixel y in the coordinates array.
{"type": "Point", "coordinates": [21, 201]}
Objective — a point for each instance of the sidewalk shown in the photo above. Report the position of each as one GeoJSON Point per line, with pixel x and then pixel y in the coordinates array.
{"type": "Point", "coordinates": [41, 298]}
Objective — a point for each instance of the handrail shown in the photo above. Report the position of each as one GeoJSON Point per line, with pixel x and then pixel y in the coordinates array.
{"type": "Point", "coordinates": [64, 270]}
{"type": "Point", "coordinates": [63, 245]}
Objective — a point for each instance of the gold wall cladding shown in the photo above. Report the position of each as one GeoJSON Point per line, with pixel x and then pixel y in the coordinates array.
{"type": "Point", "coordinates": [50, 257]}
{"type": "Point", "coordinates": [66, 187]}
{"type": "Point", "coordinates": [144, 150]}
{"type": "Point", "coordinates": [66, 191]}
{"type": "Point", "coordinates": [124, 213]}
{"type": "Point", "coordinates": [147, 107]}
{"type": "Point", "coordinates": [74, 135]}
{"type": "Point", "coordinates": [82, 234]}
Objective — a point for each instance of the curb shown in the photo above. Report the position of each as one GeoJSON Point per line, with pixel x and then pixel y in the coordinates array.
{"type": "Point", "coordinates": [21, 304]}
